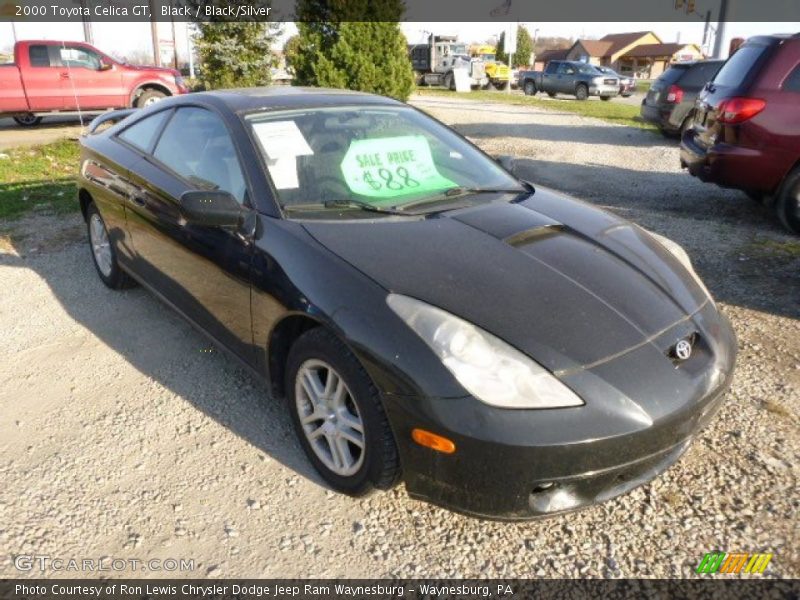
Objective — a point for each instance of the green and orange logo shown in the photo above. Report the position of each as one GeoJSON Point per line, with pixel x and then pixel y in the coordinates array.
{"type": "Point", "coordinates": [733, 562]}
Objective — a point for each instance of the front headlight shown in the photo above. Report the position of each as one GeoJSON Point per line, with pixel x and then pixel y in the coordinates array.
{"type": "Point", "coordinates": [597, 80]}
{"type": "Point", "coordinates": [179, 81]}
{"type": "Point", "coordinates": [487, 367]}
{"type": "Point", "coordinates": [678, 252]}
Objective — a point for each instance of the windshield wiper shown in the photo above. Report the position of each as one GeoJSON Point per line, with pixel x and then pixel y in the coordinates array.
{"type": "Point", "coordinates": [457, 192]}
{"type": "Point", "coordinates": [346, 203]}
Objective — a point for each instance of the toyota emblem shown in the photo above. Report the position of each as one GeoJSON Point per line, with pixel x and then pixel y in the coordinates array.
{"type": "Point", "coordinates": [683, 350]}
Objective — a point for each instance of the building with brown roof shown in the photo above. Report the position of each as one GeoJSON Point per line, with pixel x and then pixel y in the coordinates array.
{"type": "Point", "coordinates": [650, 60]}
{"type": "Point", "coordinates": [641, 54]}
{"type": "Point", "coordinates": [545, 56]}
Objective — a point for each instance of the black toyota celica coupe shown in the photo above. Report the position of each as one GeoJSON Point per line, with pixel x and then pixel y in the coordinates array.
{"type": "Point", "coordinates": [507, 352]}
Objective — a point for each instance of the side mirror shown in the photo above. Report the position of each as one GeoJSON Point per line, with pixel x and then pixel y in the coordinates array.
{"type": "Point", "coordinates": [211, 208]}
{"type": "Point", "coordinates": [506, 161]}
{"type": "Point", "coordinates": [105, 66]}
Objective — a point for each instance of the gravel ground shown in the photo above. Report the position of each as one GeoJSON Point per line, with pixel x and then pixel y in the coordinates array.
{"type": "Point", "coordinates": [51, 130]}
{"type": "Point", "coordinates": [141, 442]}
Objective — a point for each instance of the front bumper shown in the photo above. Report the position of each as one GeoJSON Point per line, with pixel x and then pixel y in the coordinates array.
{"type": "Point", "coordinates": [603, 90]}
{"type": "Point", "coordinates": [523, 464]}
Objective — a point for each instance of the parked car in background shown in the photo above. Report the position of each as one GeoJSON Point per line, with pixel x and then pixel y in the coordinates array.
{"type": "Point", "coordinates": [51, 77]}
{"type": "Point", "coordinates": [569, 77]}
{"type": "Point", "coordinates": [669, 103]}
{"type": "Point", "coordinates": [563, 357]}
{"type": "Point", "coordinates": [627, 85]}
{"type": "Point", "coordinates": [746, 128]}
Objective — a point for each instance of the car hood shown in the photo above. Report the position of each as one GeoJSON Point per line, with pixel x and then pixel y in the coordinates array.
{"type": "Point", "coordinates": [566, 283]}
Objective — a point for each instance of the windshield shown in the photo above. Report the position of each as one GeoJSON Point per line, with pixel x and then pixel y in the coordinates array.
{"type": "Point", "coordinates": [588, 70]}
{"type": "Point", "coordinates": [382, 157]}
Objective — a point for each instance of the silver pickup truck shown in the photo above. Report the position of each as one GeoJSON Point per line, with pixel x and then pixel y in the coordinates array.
{"type": "Point", "coordinates": [569, 77]}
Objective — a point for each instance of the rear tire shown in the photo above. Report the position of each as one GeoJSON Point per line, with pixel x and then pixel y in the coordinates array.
{"type": "Point", "coordinates": [581, 92]}
{"type": "Point", "coordinates": [149, 97]}
{"type": "Point", "coordinates": [551, 94]}
{"type": "Point", "coordinates": [529, 88]}
{"type": "Point", "coordinates": [103, 255]}
{"type": "Point", "coordinates": [27, 120]}
{"type": "Point", "coordinates": [787, 204]}
{"type": "Point", "coordinates": [350, 403]}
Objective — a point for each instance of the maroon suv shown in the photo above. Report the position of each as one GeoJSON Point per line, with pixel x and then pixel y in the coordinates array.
{"type": "Point", "coordinates": [746, 130]}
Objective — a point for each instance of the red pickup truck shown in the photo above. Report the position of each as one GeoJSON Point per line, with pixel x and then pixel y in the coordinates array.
{"type": "Point", "coordinates": [49, 77]}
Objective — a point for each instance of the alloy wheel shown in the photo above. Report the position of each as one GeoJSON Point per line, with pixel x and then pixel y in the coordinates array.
{"type": "Point", "coordinates": [329, 417]}
{"type": "Point", "coordinates": [100, 245]}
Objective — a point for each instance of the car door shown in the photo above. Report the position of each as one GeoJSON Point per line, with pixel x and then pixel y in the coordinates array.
{"type": "Point", "coordinates": [42, 78]}
{"type": "Point", "coordinates": [87, 81]}
{"type": "Point", "coordinates": [204, 271]}
{"type": "Point", "coordinates": [565, 79]}
{"type": "Point", "coordinates": [550, 77]}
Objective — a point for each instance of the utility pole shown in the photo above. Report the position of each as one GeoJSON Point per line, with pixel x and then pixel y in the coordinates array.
{"type": "Point", "coordinates": [190, 50]}
{"type": "Point", "coordinates": [154, 33]}
{"type": "Point", "coordinates": [719, 39]}
{"type": "Point", "coordinates": [14, 31]}
{"type": "Point", "coordinates": [87, 26]}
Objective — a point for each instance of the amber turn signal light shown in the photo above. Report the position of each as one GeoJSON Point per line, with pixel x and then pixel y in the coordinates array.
{"type": "Point", "coordinates": [433, 441]}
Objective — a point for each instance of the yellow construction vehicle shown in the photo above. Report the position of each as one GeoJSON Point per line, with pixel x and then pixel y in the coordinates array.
{"type": "Point", "coordinates": [497, 72]}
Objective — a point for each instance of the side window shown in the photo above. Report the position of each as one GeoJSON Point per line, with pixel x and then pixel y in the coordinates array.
{"type": "Point", "coordinates": [197, 146]}
{"type": "Point", "coordinates": [552, 67]}
{"type": "Point", "coordinates": [75, 57]}
{"type": "Point", "coordinates": [39, 56]}
{"type": "Point", "coordinates": [699, 74]}
{"type": "Point", "coordinates": [792, 83]}
{"type": "Point", "coordinates": [142, 134]}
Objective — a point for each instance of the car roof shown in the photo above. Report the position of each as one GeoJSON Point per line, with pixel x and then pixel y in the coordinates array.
{"type": "Point", "coordinates": [283, 97]}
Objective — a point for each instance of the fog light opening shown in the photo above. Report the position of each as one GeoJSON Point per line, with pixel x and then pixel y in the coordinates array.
{"type": "Point", "coordinates": [544, 487]}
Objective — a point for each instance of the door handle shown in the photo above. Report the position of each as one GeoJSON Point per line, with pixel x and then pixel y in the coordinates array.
{"type": "Point", "coordinates": [138, 200]}
{"type": "Point", "coordinates": [64, 75]}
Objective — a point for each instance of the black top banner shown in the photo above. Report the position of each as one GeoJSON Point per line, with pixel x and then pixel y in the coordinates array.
{"type": "Point", "coordinates": [407, 589]}
{"type": "Point", "coordinates": [581, 11]}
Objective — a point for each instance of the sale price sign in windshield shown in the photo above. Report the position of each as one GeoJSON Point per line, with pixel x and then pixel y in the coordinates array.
{"type": "Point", "coordinates": [392, 167]}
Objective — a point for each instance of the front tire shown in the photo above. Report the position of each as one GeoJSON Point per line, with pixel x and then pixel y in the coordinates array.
{"type": "Point", "coordinates": [787, 204]}
{"type": "Point", "coordinates": [103, 255]}
{"type": "Point", "coordinates": [529, 88]}
{"type": "Point", "coordinates": [581, 92]}
{"type": "Point", "coordinates": [338, 416]}
{"type": "Point", "coordinates": [450, 81]}
{"type": "Point", "coordinates": [27, 120]}
{"type": "Point", "coordinates": [149, 97]}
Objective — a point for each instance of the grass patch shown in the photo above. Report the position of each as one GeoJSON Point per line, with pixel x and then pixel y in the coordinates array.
{"type": "Point", "coordinates": [612, 111]}
{"type": "Point", "coordinates": [643, 85]}
{"type": "Point", "coordinates": [790, 248]}
{"type": "Point", "coordinates": [39, 178]}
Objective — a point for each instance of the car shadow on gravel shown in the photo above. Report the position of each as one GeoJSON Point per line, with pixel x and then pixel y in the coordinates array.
{"type": "Point", "coordinates": [610, 135]}
{"type": "Point", "coordinates": [737, 246]}
{"type": "Point", "coordinates": [158, 343]}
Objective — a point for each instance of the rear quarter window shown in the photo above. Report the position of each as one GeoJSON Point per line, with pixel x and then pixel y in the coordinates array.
{"type": "Point", "coordinates": [699, 74]}
{"type": "Point", "coordinates": [792, 82]}
{"type": "Point", "coordinates": [142, 134]}
{"type": "Point", "coordinates": [672, 75]}
{"type": "Point", "coordinates": [39, 56]}
{"type": "Point", "coordinates": [736, 70]}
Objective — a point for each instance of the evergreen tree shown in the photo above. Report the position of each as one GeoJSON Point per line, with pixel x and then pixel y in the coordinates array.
{"type": "Point", "coordinates": [235, 54]}
{"type": "Point", "coordinates": [342, 51]}
{"type": "Point", "coordinates": [524, 48]}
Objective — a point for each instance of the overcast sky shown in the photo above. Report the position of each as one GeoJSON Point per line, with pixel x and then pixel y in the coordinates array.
{"type": "Point", "coordinates": [119, 39]}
